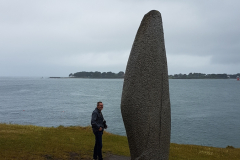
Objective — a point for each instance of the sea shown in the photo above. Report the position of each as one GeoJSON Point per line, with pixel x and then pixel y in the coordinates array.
{"type": "Point", "coordinates": [203, 111]}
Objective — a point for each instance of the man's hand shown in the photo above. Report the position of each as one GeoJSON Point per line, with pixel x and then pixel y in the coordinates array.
{"type": "Point", "coordinates": [100, 129]}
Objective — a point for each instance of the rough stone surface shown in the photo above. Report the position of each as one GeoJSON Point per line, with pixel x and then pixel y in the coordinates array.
{"type": "Point", "coordinates": [145, 103]}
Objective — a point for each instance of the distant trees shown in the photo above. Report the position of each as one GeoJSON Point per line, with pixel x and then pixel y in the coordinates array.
{"type": "Point", "coordinates": [121, 74]}
{"type": "Point", "coordinates": [202, 76]}
{"type": "Point", "coordinates": [98, 74]}
{"type": "Point", "coordinates": [234, 75]}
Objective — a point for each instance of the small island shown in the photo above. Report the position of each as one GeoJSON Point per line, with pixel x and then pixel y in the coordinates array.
{"type": "Point", "coordinates": [97, 74]}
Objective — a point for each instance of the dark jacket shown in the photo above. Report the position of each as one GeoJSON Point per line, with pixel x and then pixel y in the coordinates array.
{"type": "Point", "coordinates": [97, 120]}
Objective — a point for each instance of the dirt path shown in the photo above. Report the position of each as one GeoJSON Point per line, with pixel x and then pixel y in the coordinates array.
{"type": "Point", "coordinates": [115, 157]}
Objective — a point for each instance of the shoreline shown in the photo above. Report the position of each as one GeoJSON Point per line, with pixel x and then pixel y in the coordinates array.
{"type": "Point", "coordinates": [123, 78]}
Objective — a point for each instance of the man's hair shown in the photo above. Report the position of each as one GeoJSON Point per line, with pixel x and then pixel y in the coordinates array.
{"type": "Point", "coordinates": [98, 103]}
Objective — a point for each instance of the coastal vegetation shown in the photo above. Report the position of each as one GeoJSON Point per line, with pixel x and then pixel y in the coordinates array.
{"type": "Point", "coordinates": [97, 74]}
{"type": "Point", "coordinates": [75, 142]}
{"type": "Point", "coordinates": [120, 74]}
{"type": "Point", "coordinates": [204, 76]}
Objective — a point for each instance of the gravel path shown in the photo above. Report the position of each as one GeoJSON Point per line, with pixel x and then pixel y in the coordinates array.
{"type": "Point", "coordinates": [115, 157]}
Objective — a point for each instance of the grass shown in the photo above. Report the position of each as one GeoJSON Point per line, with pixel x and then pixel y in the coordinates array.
{"type": "Point", "coordinates": [33, 142]}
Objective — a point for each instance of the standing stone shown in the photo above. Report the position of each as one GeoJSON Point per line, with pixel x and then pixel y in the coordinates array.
{"type": "Point", "coordinates": [145, 103]}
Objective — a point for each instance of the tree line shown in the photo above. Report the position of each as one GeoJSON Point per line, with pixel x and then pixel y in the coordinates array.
{"type": "Point", "coordinates": [203, 76]}
{"type": "Point", "coordinates": [120, 74]}
{"type": "Point", "coordinates": [97, 74]}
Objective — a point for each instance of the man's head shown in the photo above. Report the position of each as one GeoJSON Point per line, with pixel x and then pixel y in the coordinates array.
{"type": "Point", "coordinates": [99, 105]}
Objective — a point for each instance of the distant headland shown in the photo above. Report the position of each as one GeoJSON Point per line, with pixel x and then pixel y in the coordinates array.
{"type": "Point", "coordinates": [97, 74]}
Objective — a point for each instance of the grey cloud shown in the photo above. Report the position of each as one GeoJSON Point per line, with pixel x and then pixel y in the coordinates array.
{"type": "Point", "coordinates": [38, 31]}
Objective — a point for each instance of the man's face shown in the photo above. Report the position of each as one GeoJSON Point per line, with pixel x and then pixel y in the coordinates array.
{"type": "Point", "coordinates": [100, 106]}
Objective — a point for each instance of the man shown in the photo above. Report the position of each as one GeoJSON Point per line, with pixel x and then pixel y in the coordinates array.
{"type": "Point", "coordinates": [98, 124]}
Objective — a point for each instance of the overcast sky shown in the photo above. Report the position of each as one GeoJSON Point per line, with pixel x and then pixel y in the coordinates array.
{"type": "Point", "coordinates": [59, 37]}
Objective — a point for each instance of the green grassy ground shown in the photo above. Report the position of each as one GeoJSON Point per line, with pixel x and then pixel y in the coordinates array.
{"type": "Point", "coordinates": [32, 142]}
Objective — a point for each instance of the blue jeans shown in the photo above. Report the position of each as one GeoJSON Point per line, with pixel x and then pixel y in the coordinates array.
{"type": "Point", "coordinates": [98, 145]}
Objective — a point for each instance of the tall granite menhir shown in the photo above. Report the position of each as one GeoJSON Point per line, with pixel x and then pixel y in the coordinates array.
{"type": "Point", "coordinates": [145, 103]}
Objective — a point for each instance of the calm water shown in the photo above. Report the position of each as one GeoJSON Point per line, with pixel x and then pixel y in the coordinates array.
{"type": "Point", "coordinates": [204, 112]}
